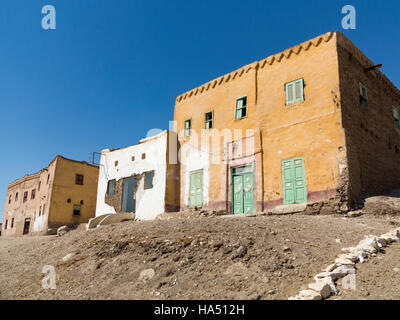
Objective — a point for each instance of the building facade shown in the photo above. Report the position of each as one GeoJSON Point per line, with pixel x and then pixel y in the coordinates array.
{"type": "Point", "coordinates": [64, 193]}
{"type": "Point", "coordinates": [312, 124]}
{"type": "Point", "coordinates": [140, 179]}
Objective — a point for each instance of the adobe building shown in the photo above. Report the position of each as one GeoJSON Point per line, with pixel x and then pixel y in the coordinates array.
{"type": "Point", "coordinates": [64, 193]}
{"type": "Point", "coordinates": [318, 124]}
{"type": "Point", "coordinates": [140, 179]}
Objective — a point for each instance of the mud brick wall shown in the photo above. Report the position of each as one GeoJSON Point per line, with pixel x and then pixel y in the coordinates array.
{"type": "Point", "coordinates": [372, 140]}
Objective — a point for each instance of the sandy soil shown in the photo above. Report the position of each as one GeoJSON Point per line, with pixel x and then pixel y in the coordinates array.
{"type": "Point", "coordinates": [264, 257]}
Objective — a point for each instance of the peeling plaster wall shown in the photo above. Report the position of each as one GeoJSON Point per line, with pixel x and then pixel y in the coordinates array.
{"type": "Point", "coordinates": [192, 160]}
{"type": "Point", "coordinates": [149, 202]}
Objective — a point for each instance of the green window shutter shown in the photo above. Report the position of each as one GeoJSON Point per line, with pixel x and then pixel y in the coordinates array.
{"type": "Point", "coordinates": [294, 91]}
{"type": "Point", "coordinates": [187, 128]}
{"type": "Point", "coordinates": [363, 91]}
{"type": "Point", "coordinates": [289, 93]}
{"type": "Point", "coordinates": [396, 116]}
{"type": "Point", "coordinates": [241, 108]}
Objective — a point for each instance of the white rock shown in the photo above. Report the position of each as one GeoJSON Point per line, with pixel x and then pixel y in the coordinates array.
{"type": "Point", "coordinates": [309, 295]}
{"type": "Point", "coordinates": [147, 274]}
{"type": "Point", "coordinates": [396, 269]}
{"type": "Point", "coordinates": [349, 256]}
{"type": "Point", "coordinates": [323, 275]}
{"type": "Point", "coordinates": [344, 261]}
{"type": "Point", "coordinates": [368, 242]}
{"type": "Point", "coordinates": [350, 249]}
{"type": "Point", "coordinates": [343, 271]}
{"type": "Point", "coordinates": [331, 267]}
{"type": "Point", "coordinates": [321, 287]}
{"type": "Point", "coordinates": [69, 256]}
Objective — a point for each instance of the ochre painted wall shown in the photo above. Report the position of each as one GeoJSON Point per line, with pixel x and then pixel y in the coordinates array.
{"type": "Point", "coordinates": [64, 188]}
{"type": "Point", "coordinates": [311, 128]}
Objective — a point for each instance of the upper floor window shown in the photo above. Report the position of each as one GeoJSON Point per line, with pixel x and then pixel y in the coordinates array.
{"type": "Point", "coordinates": [209, 120]}
{"type": "Point", "coordinates": [5, 225]}
{"type": "Point", "coordinates": [79, 179]}
{"type": "Point", "coordinates": [16, 196]}
{"type": "Point", "coordinates": [12, 223]}
{"type": "Point", "coordinates": [396, 116]}
{"type": "Point", "coordinates": [48, 178]}
{"type": "Point", "coordinates": [33, 194]}
{"type": "Point", "coordinates": [363, 96]}
{"type": "Point", "coordinates": [148, 180]}
{"type": "Point", "coordinates": [188, 127]}
{"type": "Point", "coordinates": [241, 108]}
{"type": "Point", "coordinates": [25, 196]}
{"type": "Point", "coordinates": [9, 199]}
{"type": "Point", "coordinates": [294, 91]}
{"type": "Point", "coordinates": [40, 183]}
{"type": "Point", "coordinates": [111, 187]}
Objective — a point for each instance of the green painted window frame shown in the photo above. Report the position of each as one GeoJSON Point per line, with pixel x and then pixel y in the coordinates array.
{"type": "Point", "coordinates": [77, 208]}
{"type": "Point", "coordinates": [241, 110]}
{"type": "Point", "coordinates": [396, 116]}
{"type": "Point", "coordinates": [187, 128]}
{"type": "Point", "coordinates": [209, 122]}
{"type": "Point", "coordinates": [291, 94]}
{"type": "Point", "coordinates": [363, 92]}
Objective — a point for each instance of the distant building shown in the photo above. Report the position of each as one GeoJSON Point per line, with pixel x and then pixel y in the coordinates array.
{"type": "Point", "coordinates": [140, 179]}
{"type": "Point", "coordinates": [64, 193]}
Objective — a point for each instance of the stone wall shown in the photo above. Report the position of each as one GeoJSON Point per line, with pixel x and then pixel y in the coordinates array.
{"type": "Point", "coordinates": [372, 140]}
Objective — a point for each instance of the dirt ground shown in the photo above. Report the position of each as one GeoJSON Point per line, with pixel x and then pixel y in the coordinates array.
{"type": "Point", "coordinates": [263, 257]}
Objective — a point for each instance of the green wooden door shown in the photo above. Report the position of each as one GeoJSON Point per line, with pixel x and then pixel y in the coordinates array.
{"type": "Point", "coordinates": [243, 198]}
{"type": "Point", "coordinates": [238, 194]}
{"type": "Point", "coordinates": [248, 193]}
{"type": "Point", "coordinates": [294, 181]}
{"type": "Point", "coordinates": [196, 189]}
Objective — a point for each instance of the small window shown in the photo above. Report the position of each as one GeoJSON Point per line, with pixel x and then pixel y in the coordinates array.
{"type": "Point", "coordinates": [294, 91]}
{"type": "Point", "coordinates": [188, 128]}
{"type": "Point", "coordinates": [48, 178]}
{"type": "Point", "coordinates": [40, 211]}
{"type": "Point", "coordinates": [143, 156]}
{"type": "Point", "coordinates": [77, 210]}
{"type": "Point", "coordinates": [69, 200]}
{"type": "Point", "coordinates": [363, 96]}
{"type": "Point", "coordinates": [116, 164]}
{"type": "Point", "coordinates": [40, 183]}
{"type": "Point", "coordinates": [241, 108]}
{"type": "Point", "coordinates": [33, 194]}
{"type": "Point", "coordinates": [16, 196]}
{"type": "Point", "coordinates": [9, 199]}
{"type": "Point", "coordinates": [79, 179]}
{"type": "Point", "coordinates": [5, 225]}
{"type": "Point", "coordinates": [396, 116]}
{"type": "Point", "coordinates": [111, 187]}
{"type": "Point", "coordinates": [133, 158]}
{"type": "Point", "coordinates": [25, 196]}
{"type": "Point", "coordinates": [44, 208]}
{"type": "Point", "coordinates": [148, 180]}
{"type": "Point", "coordinates": [209, 120]}
{"type": "Point", "coordinates": [12, 223]}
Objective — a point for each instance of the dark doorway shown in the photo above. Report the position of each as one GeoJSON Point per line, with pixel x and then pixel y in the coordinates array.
{"type": "Point", "coordinates": [27, 224]}
{"type": "Point", "coordinates": [128, 195]}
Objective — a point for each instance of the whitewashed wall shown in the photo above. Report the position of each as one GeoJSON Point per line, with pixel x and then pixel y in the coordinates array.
{"type": "Point", "coordinates": [150, 202]}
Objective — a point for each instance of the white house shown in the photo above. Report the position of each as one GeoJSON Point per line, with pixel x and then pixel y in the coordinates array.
{"type": "Point", "coordinates": [141, 179]}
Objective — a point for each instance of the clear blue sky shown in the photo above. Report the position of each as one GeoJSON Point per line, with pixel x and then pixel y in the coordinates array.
{"type": "Point", "coordinates": [112, 69]}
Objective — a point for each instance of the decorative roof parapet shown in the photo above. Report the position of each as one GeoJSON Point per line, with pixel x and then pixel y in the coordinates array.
{"type": "Point", "coordinates": [305, 46]}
